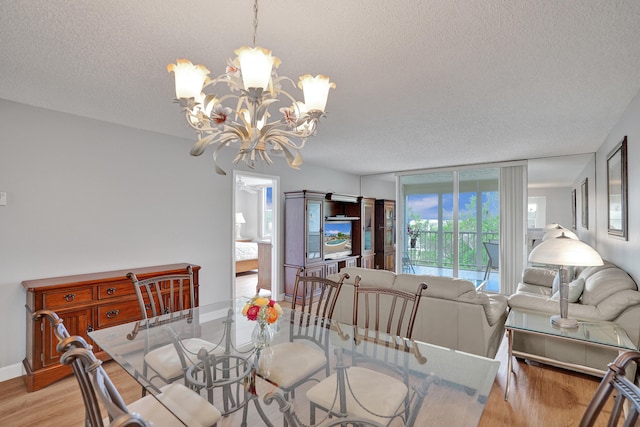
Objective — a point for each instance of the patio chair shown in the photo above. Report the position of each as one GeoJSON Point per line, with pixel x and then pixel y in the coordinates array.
{"type": "Point", "coordinates": [493, 255]}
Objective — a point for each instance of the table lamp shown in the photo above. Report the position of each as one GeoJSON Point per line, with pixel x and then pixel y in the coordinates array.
{"type": "Point", "coordinates": [563, 252]}
{"type": "Point", "coordinates": [239, 221]}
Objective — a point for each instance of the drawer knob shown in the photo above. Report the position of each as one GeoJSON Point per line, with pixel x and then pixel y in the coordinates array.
{"type": "Point", "coordinates": [111, 291]}
{"type": "Point", "coordinates": [112, 314]}
{"type": "Point", "coordinates": [89, 328]}
{"type": "Point", "coordinates": [69, 297]}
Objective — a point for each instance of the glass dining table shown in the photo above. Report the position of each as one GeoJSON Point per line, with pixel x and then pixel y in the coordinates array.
{"type": "Point", "coordinates": [446, 387]}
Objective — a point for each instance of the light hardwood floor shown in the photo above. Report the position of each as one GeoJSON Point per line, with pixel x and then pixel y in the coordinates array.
{"type": "Point", "coordinates": [540, 396]}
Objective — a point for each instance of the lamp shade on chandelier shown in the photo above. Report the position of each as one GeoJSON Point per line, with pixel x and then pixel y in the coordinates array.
{"type": "Point", "coordinates": [233, 108]}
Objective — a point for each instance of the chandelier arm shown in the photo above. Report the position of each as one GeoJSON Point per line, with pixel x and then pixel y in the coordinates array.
{"type": "Point", "coordinates": [219, 170]}
{"type": "Point", "coordinates": [287, 135]}
{"type": "Point", "coordinates": [282, 141]}
{"type": "Point", "coordinates": [293, 161]}
{"type": "Point", "coordinates": [201, 145]}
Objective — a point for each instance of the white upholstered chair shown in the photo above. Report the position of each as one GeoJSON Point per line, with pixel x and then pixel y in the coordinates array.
{"type": "Point", "coordinates": [167, 295]}
{"type": "Point", "coordinates": [367, 393]}
{"type": "Point", "coordinates": [307, 352]}
{"type": "Point", "coordinates": [97, 389]}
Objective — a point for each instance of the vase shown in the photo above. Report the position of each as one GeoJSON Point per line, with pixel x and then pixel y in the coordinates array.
{"type": "Point", "coordinates": [262, 335]}
{"type": "Point", "coordinates": [412, 242]}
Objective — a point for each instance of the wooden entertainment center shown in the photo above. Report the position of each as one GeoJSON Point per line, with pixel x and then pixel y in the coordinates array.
{"type": "Point", "coordinates": [84, 302]}
{"type": "Point", "coordinates": [309, 244]}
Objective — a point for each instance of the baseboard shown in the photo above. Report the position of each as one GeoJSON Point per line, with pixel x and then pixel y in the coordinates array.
{"type": "Point", "coordinates": [12, 371]}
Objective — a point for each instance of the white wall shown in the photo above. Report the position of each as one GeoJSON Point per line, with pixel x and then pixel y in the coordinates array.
{"type": "Point", "coordinates": [558, 204]}
{"type": "Point", "coordinates": [87, 196]}
{"type": "Point", "coordinates": [588, 235]}
{"type": "Point", "coordinates": [623, 253]}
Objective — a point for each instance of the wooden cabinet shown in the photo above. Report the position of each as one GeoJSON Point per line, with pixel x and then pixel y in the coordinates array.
{"type": "Point", "coordinates": [84, 302]}
{"type": "Point", "coordinates": [385, 235]}
{"type": "Point", "coordinates": [264, 265]}
{"type": "Point", "coordinates": [307, 216]}
{"type": "Point", "coordinates": [367, 257]}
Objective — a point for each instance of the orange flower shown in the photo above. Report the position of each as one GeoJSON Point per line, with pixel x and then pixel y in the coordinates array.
{"type": "Point", "coordinates": [272, 314]}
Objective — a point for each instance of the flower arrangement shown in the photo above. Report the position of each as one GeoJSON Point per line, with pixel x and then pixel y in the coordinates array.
{"type": "Point", "coordinates": [262, 309]}
{"type": "Point", "coordinates": [414, 231]}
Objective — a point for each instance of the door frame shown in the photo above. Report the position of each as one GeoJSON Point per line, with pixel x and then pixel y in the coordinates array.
{"type": "Point", "coordinates": [275, 234]}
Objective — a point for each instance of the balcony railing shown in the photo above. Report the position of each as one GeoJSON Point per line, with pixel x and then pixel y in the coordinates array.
{"type": "Point", "coordinates": [435, 249]}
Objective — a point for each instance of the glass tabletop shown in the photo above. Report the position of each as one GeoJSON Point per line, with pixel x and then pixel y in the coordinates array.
{"type": "Point", "coordinates": [458, 383]}
{"type": "Point", "coordinates": [591, 331]}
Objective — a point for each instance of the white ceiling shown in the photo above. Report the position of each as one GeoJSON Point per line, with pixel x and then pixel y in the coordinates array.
{"type": "Point", "coordinates": [420, 84]}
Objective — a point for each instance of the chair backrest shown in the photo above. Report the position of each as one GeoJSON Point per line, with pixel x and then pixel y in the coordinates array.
{"type": "Point", "coordinates": [164, 294]}
{"type": "Point", "coordinates": [493, 252]}
{"type": "Point", "coordinates": [101, 389]}
{"type": "Point", "coordinates": [385, 309]}
{"type": "Point", "coordinates": [316, 296]}
{"type": "Point", "coordinates": [71, 345]}
{"type": "Point", "coordinates": [627, 398]}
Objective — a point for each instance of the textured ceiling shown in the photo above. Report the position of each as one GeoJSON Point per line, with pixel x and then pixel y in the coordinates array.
{"type": "Point", "coordinates": [420, 84]}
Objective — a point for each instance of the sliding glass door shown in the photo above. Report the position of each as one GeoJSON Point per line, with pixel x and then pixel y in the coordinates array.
{"type": "Point", "coordinates": [448, 216]}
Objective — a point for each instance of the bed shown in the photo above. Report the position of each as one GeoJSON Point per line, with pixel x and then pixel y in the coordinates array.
{"type": "Point", "coordinates": [246, 256]}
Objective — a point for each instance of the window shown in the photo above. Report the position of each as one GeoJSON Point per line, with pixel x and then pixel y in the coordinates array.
{"type": "Point", "coordinates": [536, 208]}
{"type": "Point", "coordinates": [266, 213]}
{"type": "Point", "coordinates": [448, 216]}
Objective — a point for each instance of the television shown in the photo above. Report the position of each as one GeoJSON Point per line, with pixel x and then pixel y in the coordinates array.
{"type": "Point", "coordinates": [337, 239]}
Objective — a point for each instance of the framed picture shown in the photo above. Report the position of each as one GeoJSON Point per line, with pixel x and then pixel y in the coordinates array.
{"type": "Point", "coordinates": [585, 203]}
{"type": "Point", "coordinates": [617, 190]}
{"type": "Point", "coordinates": [573, 209]}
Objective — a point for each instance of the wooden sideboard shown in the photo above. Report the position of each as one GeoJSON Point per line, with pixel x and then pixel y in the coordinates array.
{"type": "Point", "coordinates": [84, 302]}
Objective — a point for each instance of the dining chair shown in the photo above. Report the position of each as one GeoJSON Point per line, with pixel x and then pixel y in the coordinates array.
{"type": "Point", "coordinates": [381, 316]}
{"type": "Point", "coordinates": [98, 390]}
{"type": "Point", "coordinates": [292, 419]}
{"type": "Point", "coordinates": [626, 401]}
{"type": "Point", "coordinates": [171, 295]}
{"type": "Point", "coordinates": [306, 353]}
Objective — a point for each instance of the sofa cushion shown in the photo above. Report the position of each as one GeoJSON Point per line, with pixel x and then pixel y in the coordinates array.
{"type": "Point", "coordinates": [539, 276]}
{"type": "Point", "coordinates": [369, 277]}
{"type": "Point", "coordinates": [575, 290]}
{"type": "Point", "coordinates": [604, 283]}
{"type": "Point", "coordinates": [437, 287]}
{"type": "Point", "coordinates": [494, 305]}
{"type": "Point", "coordinates": [586, 272]}
{"type": "Point", "coordinates": [528, 288]}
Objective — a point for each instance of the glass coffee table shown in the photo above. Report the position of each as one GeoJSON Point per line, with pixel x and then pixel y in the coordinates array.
{"type": "Point", "coordinates": [590, 332]}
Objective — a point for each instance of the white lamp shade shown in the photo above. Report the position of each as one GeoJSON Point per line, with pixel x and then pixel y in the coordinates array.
{"type": "Point", "coordinates": [240, 218]}
{"type": "Point", "coordinates": [316, 91]}
{"type": "Point", "coordinates": [189, 78]}
{"type": "Point", "coordinates": [256, 64]}
{"type": "Point", "coordinates": [565, 251]}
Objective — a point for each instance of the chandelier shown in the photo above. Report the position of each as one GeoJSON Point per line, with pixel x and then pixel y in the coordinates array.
{"type": "Point", "coordinates": [239, 114]}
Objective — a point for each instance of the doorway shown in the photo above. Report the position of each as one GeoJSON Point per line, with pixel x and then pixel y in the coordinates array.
{"type": "Point", "coordinates": [255, 234]}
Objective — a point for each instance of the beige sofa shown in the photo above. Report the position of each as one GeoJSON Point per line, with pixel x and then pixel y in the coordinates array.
{"type": "Point", "coordinates": [451, 314]}
{"type": "Point", "coordinates": [598, 293]}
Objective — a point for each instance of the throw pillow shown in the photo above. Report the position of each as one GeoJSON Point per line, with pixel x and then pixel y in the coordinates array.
{"type": "Point", "coordinates": [575, 290]}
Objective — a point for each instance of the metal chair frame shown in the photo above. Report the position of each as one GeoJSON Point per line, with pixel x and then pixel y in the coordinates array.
{"type": "Point", "coordinates": [626, 402]}
{"type": "Point", "coordinates": [165, 295]}
{"type": "Point", "coordinates": [393, 324]}
{"type": "Point", "coordinates": [313, 304]}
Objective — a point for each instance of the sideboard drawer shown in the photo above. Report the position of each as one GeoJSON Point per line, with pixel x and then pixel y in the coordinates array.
{"type": "Point", "coordinates": [116, 313]}
{"type": "Point", "coordinates": [67, 298]}
{"type": "Point", "coordinates": [117, 289]}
